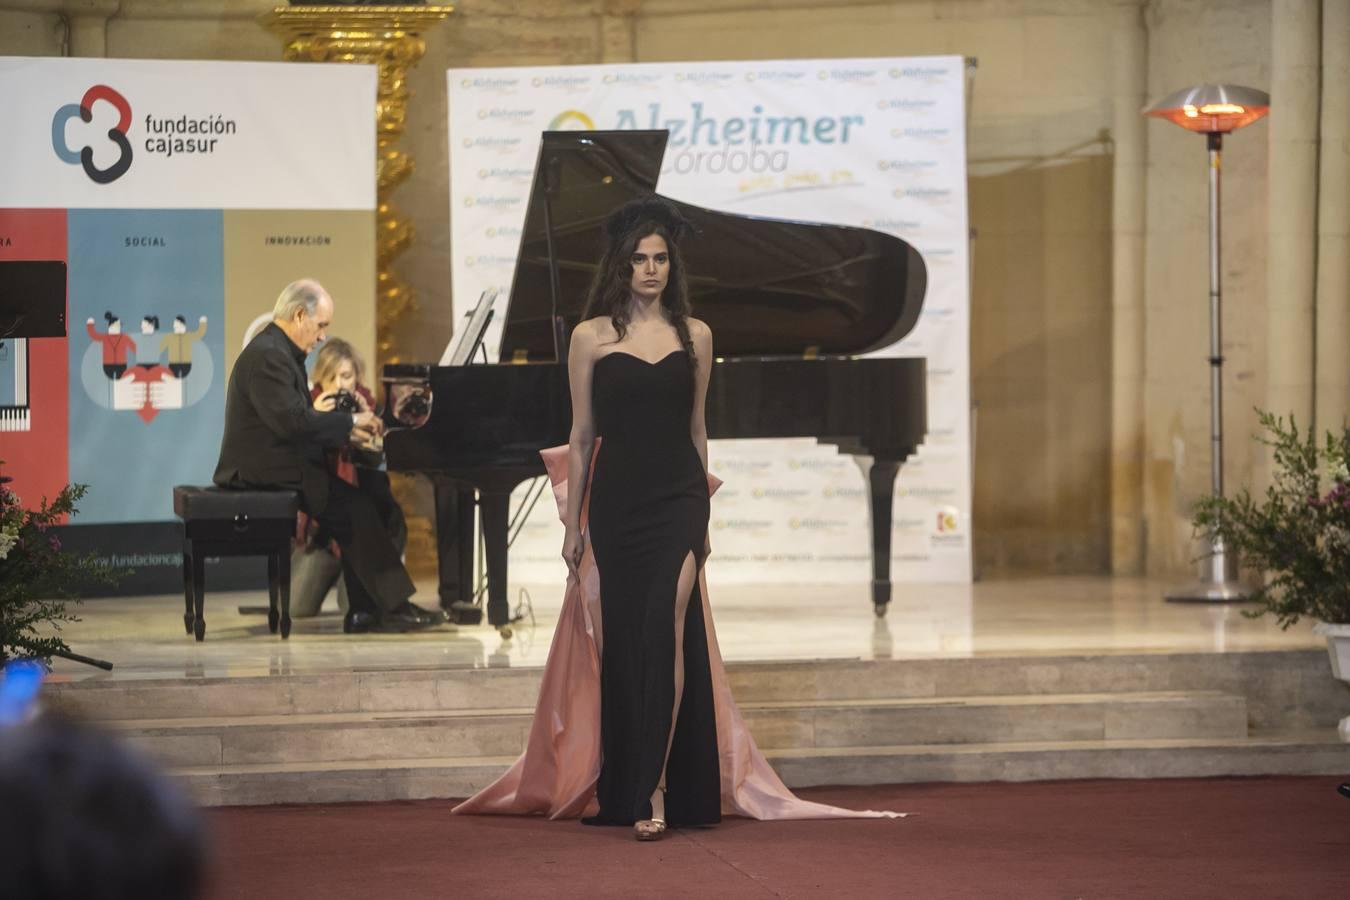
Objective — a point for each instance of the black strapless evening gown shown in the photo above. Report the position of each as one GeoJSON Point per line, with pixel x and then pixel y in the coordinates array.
{"type": "Point", "coordinates": [648, 514]}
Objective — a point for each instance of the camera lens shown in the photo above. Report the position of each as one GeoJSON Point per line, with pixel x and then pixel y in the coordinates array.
{"type": "Point", "coordinates": [345, 401]}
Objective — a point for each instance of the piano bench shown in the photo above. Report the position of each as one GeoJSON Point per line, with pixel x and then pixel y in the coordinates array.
{"type": "Point", "coordinates": [221, 522]}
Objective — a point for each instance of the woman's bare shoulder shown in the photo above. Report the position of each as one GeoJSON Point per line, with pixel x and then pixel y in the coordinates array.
{"type": "Point", "coordinates": [700, 333]}
{"type": "Point", "coordinates": [590, 334]}
{"type": "Point", "coordinates": [599, 328]}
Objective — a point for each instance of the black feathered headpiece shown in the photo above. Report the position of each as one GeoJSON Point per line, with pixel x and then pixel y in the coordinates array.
{"type": "Point", "coordinates": [648, 209]}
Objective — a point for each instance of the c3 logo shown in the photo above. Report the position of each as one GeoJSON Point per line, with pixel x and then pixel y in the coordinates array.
{"type": "Point", "coordinates": [118, 135]}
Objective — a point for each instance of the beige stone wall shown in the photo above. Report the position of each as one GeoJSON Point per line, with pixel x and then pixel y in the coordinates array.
{"type": "Point", "coordinates": [1041, 182]}
{"type": "Point", "coordinates": [29, 33]}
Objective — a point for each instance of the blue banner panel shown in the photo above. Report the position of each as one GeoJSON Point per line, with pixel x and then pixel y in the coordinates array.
{"type": "Point", "coordinates": [147, 380]}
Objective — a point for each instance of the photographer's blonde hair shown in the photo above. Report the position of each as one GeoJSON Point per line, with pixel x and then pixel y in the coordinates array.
{"type": "Point", "coordinates": [332, 354]}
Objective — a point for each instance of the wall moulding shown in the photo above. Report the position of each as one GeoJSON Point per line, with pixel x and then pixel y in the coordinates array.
{"type": "Point", "coordinates": [145, 9]}
{"type": "Point", "coordinates": [906, 9]}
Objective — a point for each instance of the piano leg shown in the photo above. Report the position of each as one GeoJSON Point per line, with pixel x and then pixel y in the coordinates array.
{"type": "Point", "coordinates": [495, 507]}
{"type": "Point", "coordinates": [454, 542]}
{"type": "Point", "coordinates": [881, 482]}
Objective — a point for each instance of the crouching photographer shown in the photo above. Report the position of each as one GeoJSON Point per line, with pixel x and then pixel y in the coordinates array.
{"type": "Point", "coordinates": [315, 565]}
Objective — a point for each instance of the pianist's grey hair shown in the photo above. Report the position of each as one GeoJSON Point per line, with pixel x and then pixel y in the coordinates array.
{"type": "Point", "coordinates": [303, 293]}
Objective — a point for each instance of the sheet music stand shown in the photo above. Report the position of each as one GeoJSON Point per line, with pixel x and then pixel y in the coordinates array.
{"type": "Point", "coordinates": [460, 351]}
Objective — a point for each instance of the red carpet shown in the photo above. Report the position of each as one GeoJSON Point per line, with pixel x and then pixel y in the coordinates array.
{"type": "Point", "coordinates": [1258, 837]}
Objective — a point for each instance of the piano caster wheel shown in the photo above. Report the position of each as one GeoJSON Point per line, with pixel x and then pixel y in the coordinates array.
{"type": "Point", "coordinates": [285, 628]}
{"type": "Point", "coordinates": [187, 622]}
{"type": "Point", "coordinates": [273, 619]}
{"type": "Point", "coordinates": [199, 629]}
{"type": "Point", "coordinates": [880, 610]}
{"type": "Point", "coordinates": [505, 631]}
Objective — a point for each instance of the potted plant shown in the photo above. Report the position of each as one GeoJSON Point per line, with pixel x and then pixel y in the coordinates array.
{"type": "Point", "coordinates": [37, 576]}
{"type": "Point", "coordinates": [1298, 535]}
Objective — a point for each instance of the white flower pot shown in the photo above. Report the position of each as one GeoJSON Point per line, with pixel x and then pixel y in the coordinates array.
{"type": "Point", "coordinates": [1338, 648]}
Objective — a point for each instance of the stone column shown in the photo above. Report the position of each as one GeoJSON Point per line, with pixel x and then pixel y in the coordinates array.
{"type": "Point", "coordinates": [1333, 222]}
{"type": "Point", "coordinates": [87, 26]}
{"type": "Point", "coordinates": [1295, 51]}
{"type": "Point", "coordinates": [1129, 135]}
{"type": "Point", "coordinates": [618, 42]}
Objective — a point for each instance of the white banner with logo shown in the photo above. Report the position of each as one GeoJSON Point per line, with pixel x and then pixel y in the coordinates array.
{"type": "Point", "coordinates": [180, 197]}
{"type": "Point", "coordinates": [878, 143]}
{"type": "Point", "coordinates": [158, 134]}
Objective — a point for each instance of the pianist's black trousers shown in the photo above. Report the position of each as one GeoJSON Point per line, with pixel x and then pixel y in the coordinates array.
{"type": "Point", "coordinates": [371, 564]}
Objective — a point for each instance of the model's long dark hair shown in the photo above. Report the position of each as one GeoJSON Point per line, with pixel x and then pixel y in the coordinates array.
{"type": "Point", "coordinates": [611, 290]}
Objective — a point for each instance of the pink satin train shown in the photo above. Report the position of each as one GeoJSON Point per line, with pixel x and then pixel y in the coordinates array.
{"type": "Point", "coordinates": [556, 774]}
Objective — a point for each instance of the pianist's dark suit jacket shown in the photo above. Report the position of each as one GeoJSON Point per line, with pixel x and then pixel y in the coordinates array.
{"type": "Point", "coordinates": [274, 437]}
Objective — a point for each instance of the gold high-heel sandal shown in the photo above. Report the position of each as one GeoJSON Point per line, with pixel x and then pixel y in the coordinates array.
{"type": "Point", "coordinates": [657, 823]}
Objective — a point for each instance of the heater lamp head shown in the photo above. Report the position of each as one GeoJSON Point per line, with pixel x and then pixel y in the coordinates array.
{"type": "Point", "coordinates": [1212, 108]}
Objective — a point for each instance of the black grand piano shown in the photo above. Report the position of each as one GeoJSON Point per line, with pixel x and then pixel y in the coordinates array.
{"type": "Point", "coordinates": [789, 304]}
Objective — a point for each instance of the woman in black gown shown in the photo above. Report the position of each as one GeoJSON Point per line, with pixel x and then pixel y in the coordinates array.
{"type": "Point", "coordinates": [638, 368]}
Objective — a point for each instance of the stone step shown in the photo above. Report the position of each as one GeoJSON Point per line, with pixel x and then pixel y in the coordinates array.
{"type": "Point", "coordinates": [1299, 753]}
{"type": "Point", "coordinates": [1285, 690]}
{"type": "Point", "coordinates": [306, 694]}
{"type": "Point", "coordinates": [324, 738]}
{"type": "Point", "coordinates": [982, 719]}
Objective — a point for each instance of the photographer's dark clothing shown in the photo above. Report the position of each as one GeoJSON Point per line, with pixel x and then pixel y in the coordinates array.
{"type": "Point", "coordinates": [275, 438]}
{"type": "Point", "coordinates": [371, 567]}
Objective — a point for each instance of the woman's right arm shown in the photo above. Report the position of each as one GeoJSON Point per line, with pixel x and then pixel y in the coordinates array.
{"type": "Point", "coordinates": [581, 441]}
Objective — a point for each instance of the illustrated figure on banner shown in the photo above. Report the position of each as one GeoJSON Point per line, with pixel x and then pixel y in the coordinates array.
{"type": "Point", "coordinates": [179, 343]}
{"type": "Point", "coordinates": [136, 380]}
{"type": "Point", "coordinates": [116, 346]}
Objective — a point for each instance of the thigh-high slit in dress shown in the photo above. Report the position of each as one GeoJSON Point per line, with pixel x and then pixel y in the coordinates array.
{"type": "Point", "coordinates": [648, 518]}
{"type": "Point", "coordinates": [606, 697]}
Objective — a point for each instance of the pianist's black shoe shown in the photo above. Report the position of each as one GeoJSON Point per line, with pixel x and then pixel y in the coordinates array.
{"type": "Point", "coordinates": [406, 618]}
{"type": "Point", "coordinates": [1344, 790]}
{"type": "Point", "coordinates": [414, 616]}
{"type": "Point", "coordinates": [359, 622]}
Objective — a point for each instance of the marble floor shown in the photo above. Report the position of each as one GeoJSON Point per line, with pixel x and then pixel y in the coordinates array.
{"type": "Point", "coordinates": [144, 638]}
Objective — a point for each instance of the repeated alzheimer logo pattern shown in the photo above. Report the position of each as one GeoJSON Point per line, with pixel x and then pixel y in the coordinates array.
{"type": "Point", "coordinates": [875, 143]}
{"type": "Point", "coordinates": [84, 111]}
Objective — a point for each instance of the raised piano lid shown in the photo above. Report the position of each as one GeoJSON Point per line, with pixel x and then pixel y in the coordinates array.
{"type": "Point", "coordinates": [767, 287]}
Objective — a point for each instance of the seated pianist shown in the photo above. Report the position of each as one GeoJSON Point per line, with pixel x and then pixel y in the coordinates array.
{"type": "Point", "coordinates": [275, 438]}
